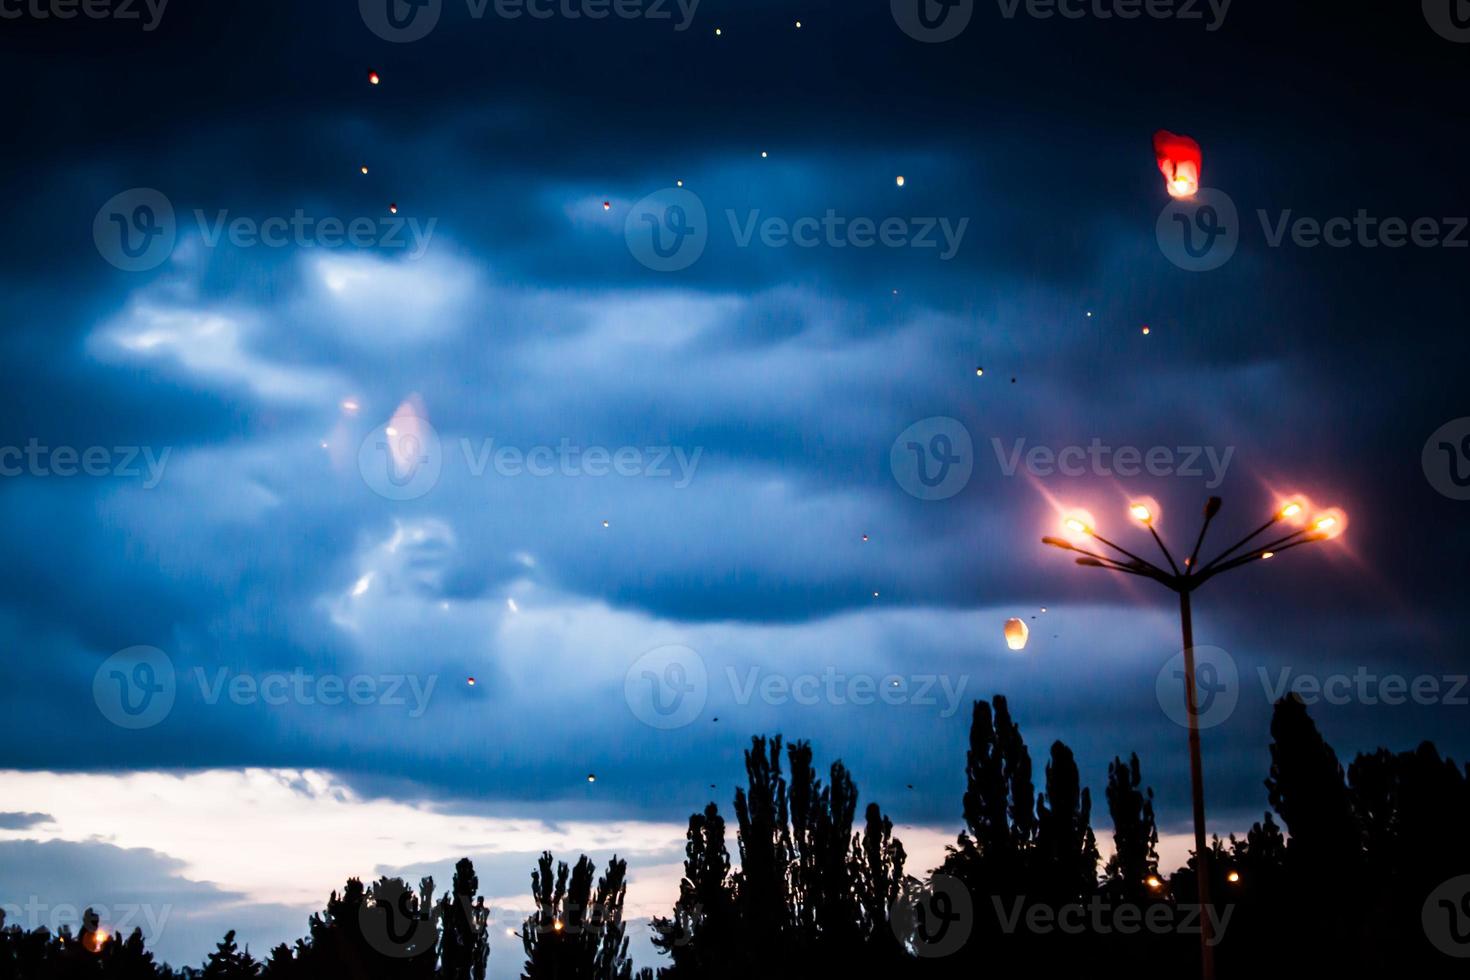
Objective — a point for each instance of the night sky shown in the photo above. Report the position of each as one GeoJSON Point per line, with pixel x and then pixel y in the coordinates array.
{"type": "Point", "coordinates": [241, 392]}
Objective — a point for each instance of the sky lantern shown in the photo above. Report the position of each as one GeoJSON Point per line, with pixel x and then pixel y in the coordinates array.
{"type": "Point", "coordinates": [1179, 159]}
{"type": "Point", "coordinates": [373, 78]}
{"type": "Point", "coordinates": [1017, 633]}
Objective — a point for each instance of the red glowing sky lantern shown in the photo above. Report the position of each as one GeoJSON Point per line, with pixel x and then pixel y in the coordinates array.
{"type": "Point", "coordinates": [1179, 159]}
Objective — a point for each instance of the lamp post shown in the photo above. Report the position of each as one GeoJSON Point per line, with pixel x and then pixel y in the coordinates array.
{"type": "Point", "coordinates": [1079, 526]}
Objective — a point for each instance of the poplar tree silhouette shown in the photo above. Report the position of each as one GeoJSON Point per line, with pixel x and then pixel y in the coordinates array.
{"type": "Point", "coordinates": [576, 933]}
{"type": "Point", "coordinates": [464, 942]}
{"type": "Point", "coordinates": [1353, 884]}
{"type": "Point", "coordinates": [1135, 856]}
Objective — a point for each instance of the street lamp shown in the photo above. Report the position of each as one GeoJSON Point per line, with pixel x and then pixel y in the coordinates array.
{"type": "Point", "coordinates": [1079, 527]}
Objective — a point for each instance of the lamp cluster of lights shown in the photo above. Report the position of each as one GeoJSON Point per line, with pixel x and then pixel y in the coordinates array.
{"type": "Point", "coordinates": [1078, 528]}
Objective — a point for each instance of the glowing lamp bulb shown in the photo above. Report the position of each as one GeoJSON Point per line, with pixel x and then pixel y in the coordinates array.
{"type": "Point", "coordinates": [1017, 633]}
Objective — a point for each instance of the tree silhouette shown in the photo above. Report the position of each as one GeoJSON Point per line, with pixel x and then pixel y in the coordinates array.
{"type": "Point", "coordinates": [1347, 882]}
{"type": "Point", "coordinates": [576, 933]}
{"type": "Point", "coordinates": [228, 962]}
{"type": "Point", "coordinates": [1135, 856]}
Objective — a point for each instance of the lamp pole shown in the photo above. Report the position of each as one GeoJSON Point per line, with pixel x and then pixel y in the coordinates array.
{"type": "Point", "coordinates": [1326, 525]}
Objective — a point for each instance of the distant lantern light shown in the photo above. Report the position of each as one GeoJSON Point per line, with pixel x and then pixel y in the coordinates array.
{"type": "Point", "coordinates": [1233, 877]}
{"type": "Point", "coordinates": [1017, 634]}
{"type": "Point", "coordinates": [393, 208]}
{"type": "Point", "coordinates": [606, 524]}
{"type": "Point", "coordinates": [373, 78]}
{"type": "Point", "coordinates": [592, 777]}
{"type": "Point", "coordinates": [556, 926]}
{"type": "Point", "coordinates": [364, 168]}
{"type": "Point", "coordinates": [607, 205]}
{"type": "Point", "coordinates": [1146, 330]}
{"type": "Point", "coordinates": [764, 154]}
{"type": "Point", "coordinates": [1267, 555]}
{"type": "Point", "coordinates": [679, 183]}
{"type": "Point", "coordinates": [899, 180]}
{"type": "Point", "coordinates": [1179, 160]}
{"type": "Point", "coordinates": [979, 372]}
{"type": "Point", "coordinates": [719, 32]}
{"type": "Point", "coordinates": [1154, 882]}
{"type": "Point", "coordinates": [470, 681]}
{"type": "Point", "coordinates": [865, 537]}
{"type": "Point", "coordinates": [798, 25]}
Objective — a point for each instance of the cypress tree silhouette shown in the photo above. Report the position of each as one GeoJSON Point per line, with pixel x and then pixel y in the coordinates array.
{"type": "Point", "coordinates": [576, 934]}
